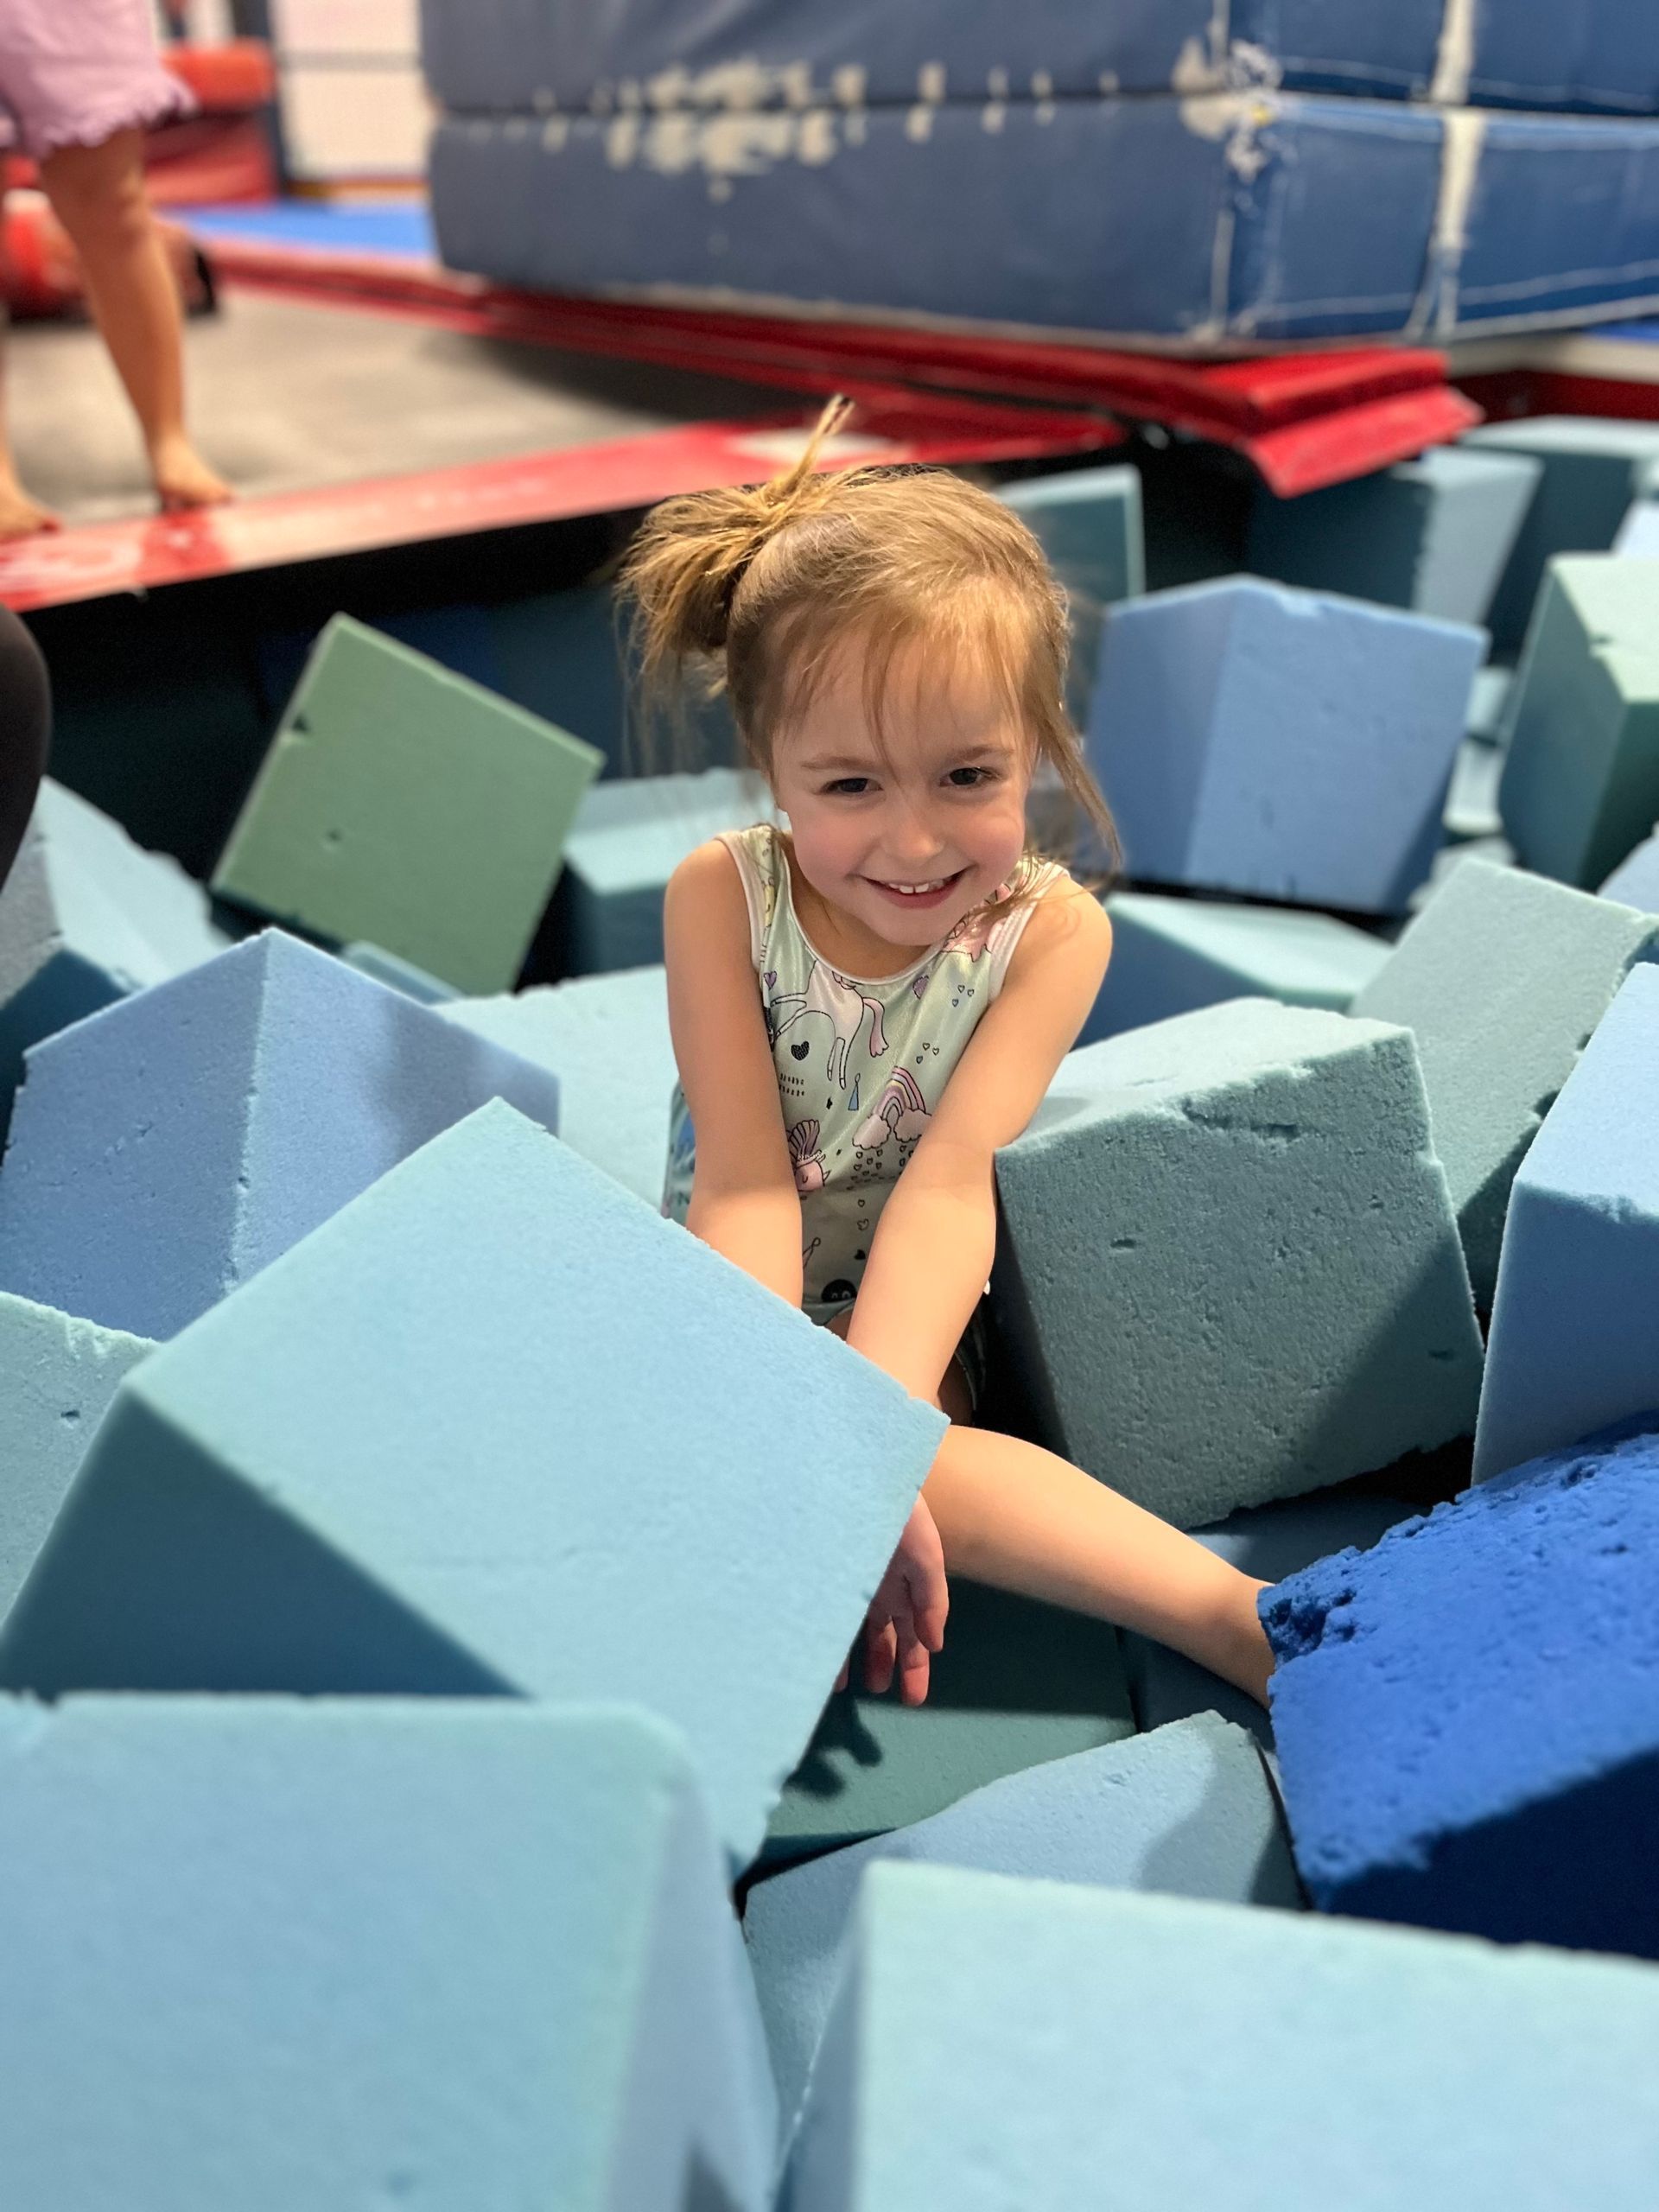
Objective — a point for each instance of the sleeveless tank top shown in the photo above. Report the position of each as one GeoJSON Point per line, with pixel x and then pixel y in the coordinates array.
{"type": "Point", "coordinates": [862, 1062]}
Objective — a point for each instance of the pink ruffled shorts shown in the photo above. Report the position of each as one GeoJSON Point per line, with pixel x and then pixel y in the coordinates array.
{"type": "Point", "coordinates": [73, 73]}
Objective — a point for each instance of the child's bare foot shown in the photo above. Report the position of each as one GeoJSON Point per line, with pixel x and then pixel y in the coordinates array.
{"type": "Point", "coordinates": [183, 478]}
{"type": "Point", "coordinates": [20, 515]}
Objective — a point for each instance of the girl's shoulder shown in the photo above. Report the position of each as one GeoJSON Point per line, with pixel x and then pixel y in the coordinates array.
{"type": "Point", "coordinates": [760, 862]}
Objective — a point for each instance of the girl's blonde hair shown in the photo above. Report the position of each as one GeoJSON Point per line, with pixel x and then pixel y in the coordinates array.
{"type": "Point", "coordinates": [756, 589]}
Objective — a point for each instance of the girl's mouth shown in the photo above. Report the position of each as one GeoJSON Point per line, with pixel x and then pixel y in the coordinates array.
{"type": "Point", "coordinates": [911, 895]}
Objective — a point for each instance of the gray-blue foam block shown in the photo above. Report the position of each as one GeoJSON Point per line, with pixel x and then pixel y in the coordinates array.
{"type": "Point", "coordinates": [1187, 1810]}
{"type": "Point", "coordinates": [57, 1376]}
{"type": "Point", "coordinates": [170, 1148]}
{"type": "Point", "coordinates": [1173, 955]}
{"type": "Point", "coordinates": [1573, 1344]}
{"type": "Point", "coordinates": [365, 1952]}
{"type": "Point", "coordinates": [1287, 744]}
{"type": "Point", "coordinates": [1088, 523]}
{"type": "Point", "coordinates": [629, 837]}
{"type": "Point", "coordinates": [1005, 2044]}
{"type": "Point", "coordinates": [1267, 1542]}
{"type": "Point", "coordinates": [1467, 1729]}
{"type": "Point", "coordinates": [495, 1429]}
{"type": "Point", "coordinates": [1435, 534]}
{"type": "Point", "coordinates": [607, 1038]}
{"type": "Point", "coordinates": [1229, 1266]}
{"type": "Point", "coordinates": [1635, 882]}
{"type": "Point", "coordinates": [1500, 978]}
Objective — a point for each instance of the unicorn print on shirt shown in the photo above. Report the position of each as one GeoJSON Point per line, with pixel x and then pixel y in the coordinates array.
{"type": "Point", "coordinates": [843, 1006]}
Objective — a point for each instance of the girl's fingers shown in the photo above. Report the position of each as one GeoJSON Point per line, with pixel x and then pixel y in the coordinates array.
{"type": "Point", "coordinates": [880, 1657]}
{"type": "Point", "coordinates": [913, 1674]}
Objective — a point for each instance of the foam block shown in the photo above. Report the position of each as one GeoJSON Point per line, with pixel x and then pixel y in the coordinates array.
{"type": "Point", "coordinates": [1572, 1341]}
{"type": "Point", "coordinates": [605, 1037]}
{"type": "Point", "coordinates": [407, 806]}
{"type": "Point", "coordinates": [1500, 978]}
{"type": "Point", "coordinates": [1497, 852]}
{"type": "Point", "coordinates": [1433, 534]}
{"type": "Point", "coordinates": [1173, 955]}
{"type": "Point", "coordinates": [1267, 1542]}
{"type": "Point", "coordinates": [1467, 1730]}
{"type": "Point", "coordinates": [629, 838]}
{"type": "Point", "coordinates": [495, 1429]}
{"type": "Point", "coordinates": [1017, 1683]}
{"type": "Point", "coordinates": [1229, 1266]}
{"type": "Point", "coordinates": [367, 1952]}
{"type": "Point", "coordinates": [1635, 882]}
{"type": "Point", "coordinates": [1593, 470]}
{"type": "Point", "coordinates": [1187, 1810]}
{"type": "Point", "coordinates": [170, 1148]}
{"type": "Point", "coordinates": [1090, 2046]}
{"type": "Point", "coordinates": [1488, 700]}
{"type": "Point", "coordinates": [1285, 744]}
{"type": "Point", "coordinates": [57, 1376]}
{"type": "Point", "coordinates": [1638, 534]}
{"type": "Point", "coordinates": [1471, 809]}
{"type": "Point", "coordinates": [397, 975]}
{"type": "Point", "coordinates": [1088, 523]}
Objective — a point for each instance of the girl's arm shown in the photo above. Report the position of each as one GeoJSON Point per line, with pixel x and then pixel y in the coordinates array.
{"type": "Point", "coordinates": [743, 1197]}
{"type": "Point", "coordinates": [937, 1236]}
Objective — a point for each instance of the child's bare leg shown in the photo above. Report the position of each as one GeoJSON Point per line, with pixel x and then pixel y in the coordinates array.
{"type": "Point", "coordinates": [98, 194]}
{"type": "Point", "coordinates": [20, 515]}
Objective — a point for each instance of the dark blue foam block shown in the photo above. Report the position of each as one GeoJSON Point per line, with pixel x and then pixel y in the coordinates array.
{"type": "Point", "coordinates": [168, 1148]}
{"type": "Point", "coordinates": [1467, 1715]}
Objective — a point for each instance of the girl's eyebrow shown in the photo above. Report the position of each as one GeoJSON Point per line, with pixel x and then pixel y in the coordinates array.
{"type": "Point", "coordinates": [847, 763]}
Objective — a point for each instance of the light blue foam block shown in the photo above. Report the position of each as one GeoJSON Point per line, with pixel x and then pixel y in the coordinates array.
{"type": "Point", "coordinates": [367, 1952]}
{"type": "Point", "coordinates": [170, 1148]}
{"type": "Point", "coordinates": [607, 1040]}
{"type": "Point", "coordinates": [1471, 809]}
{"type": "Point", "coordinates": [57, 1376]}
{"type": "Point", "coordinates": [1286, 744]}
{"type": "Point", "coordinates": [1173, 955]}
{"type": "Point", "coordinates": [1573, 1343]}
{"type": "Point", "coordinates": [1097, 2046]}
{"type": "Point", "coordinates": [629, 837]}
{"type": "Point", "coordinates": [1432, 534]}
{"type": "Point", "coordinates": [1488, 700]}
{"type": "Point", "coordinates": [1230, 1268]}
{"type": "Point", "coordinates": [1500, 978]}
{"type": "Point", "coordinates": [1088, 523]}
{"type": "Point", "coordinates": [1635, 882]}
{"type": "Point", "coordinates": [496, 1429]}
{"type": "Point", "coordinates": [1467, 1730]}
{"type": "Point", "coordinates": [397, 975]}
{"type": "Point", "coordinates": [1638, 534]}
{"type": "Point", "coordinates": [1188, 1810]}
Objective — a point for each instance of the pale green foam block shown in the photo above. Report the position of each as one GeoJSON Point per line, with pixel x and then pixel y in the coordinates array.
{"type": "Point", "coordinates": [406, 806]}
{"type": "Point", "coordinates": [607, 1040]}
{"type": "Point", "coordinates": [1502, 978]}
{"type": "Point", "coordinates": [271, 1954]}
{"type": "Point", "coordinates": [1230, 1268]}
{"type": "Point", "coordinates": [1000, 2044]}
{"type": "Point", "coordinates": [629, 837]}
{"type": "Point", "coordinates": [1581, 784]}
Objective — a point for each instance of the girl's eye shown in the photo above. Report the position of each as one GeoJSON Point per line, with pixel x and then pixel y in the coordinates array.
{"type": "Point", "coordinates": [968, 780]}
{"type": "Point", "coordinates": [848, 787]}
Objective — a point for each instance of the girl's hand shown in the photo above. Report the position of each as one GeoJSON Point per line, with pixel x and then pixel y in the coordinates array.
{"type": "Point", "coordinates": [905, 1620]}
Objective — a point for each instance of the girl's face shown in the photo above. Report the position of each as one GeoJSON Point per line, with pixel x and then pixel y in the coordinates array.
{"type": "Point", "coordinates": [904, 832]}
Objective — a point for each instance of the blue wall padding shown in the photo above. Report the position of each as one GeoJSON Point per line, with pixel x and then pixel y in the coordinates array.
{"type": "Point", "coordinates": [368, 1953]}
{"type": "Point", "coordinates": [494, 1429]}
{"type": "Point", "coordinates": [1099, 2046]}
{"type": "Point", "coordinates": [1432, 534]}
{"type": "Point", "coordinates": [1500, 978]}
{"type": "Point", "coordinates": [1267, 1542]}
{"type": "Point", "coordinates": [57, 1376]}
{"type": "Point", "coordinates": [1173, 955]}
{"type": "Point", "coordinates": [1467, 1726]}
{"type": "Point", "coordinates": [1573, 1343]}
{"type": "Point", "coordinates": [605, 1037]}
{"type": "Point", "coordinates": [1229, 1266]}
{"type": "Point", "coordinates": [629, 836]}
{"type": "Point", "coordinates": [1188, 1810]}
{"type": "Point", "coordinates": [1580, 786]}
{"type": "Point", "coordinates": [1287, 744]}
{"type": "Point", "coordinates": [169, 1148]}
{"type": "Point", "coordinates": [1635, 882]}
{"type": "Point", "coordinates": [1593, 470]}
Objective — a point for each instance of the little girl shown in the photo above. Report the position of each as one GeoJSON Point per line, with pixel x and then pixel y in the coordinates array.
{"type": "Point", "coordinates": [866, 1007]}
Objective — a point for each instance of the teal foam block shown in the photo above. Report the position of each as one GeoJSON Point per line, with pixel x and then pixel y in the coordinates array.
{"type": "Point", "coordinates": [1267, 1542]}
{"type": "Point", "coordinates": [1501, 978]}
{"type": "Point", "coordinates": [1017, 1683]}
{"type": "Point", "coordinates": [1580, 783]}
{"type": "Point", "coordinates": [397, 975]}
{"type": "Point", "coordinates": [1094, 2046]}
{"type": "Point", "coordinates": [57, 1376]}
{"type": "Point", "coordinates": [1435, 534]}
{"type": "Point", "coordinates": [1173, 955]}
{"type": "Point", "coordinates": [1592, 469]}
{"type": "Point", "coordinates": [1488, 700]}
{"type": "Point", "coordinates": [495, 1429]}
{"type": "Point", "coordinates": [1471, 809]}
{"type": "Point", "coordinates": [607, 1040]}
{"type": "Point", "coordinates": [1635, 882]}
{"type": "Point", "coordinates": [1188, 1811]}
{"type": "Point", "coordinates": [1496, 852]}
{"type": "Point", "coordinates": [1573, 1346]}
{"type": "Point", "coordinates": [1088, 523]}
{"type": "Point", "coordinates": [629, 838]}
{"type": "Point", "coordinates": [369, 1952]}
{"type": "Point", "coordinates": [168, 1148]}
{"type": "Point", "coordinates": [1228, 1266]}
{"type": "Point", "coordinates": [1638, 534]}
